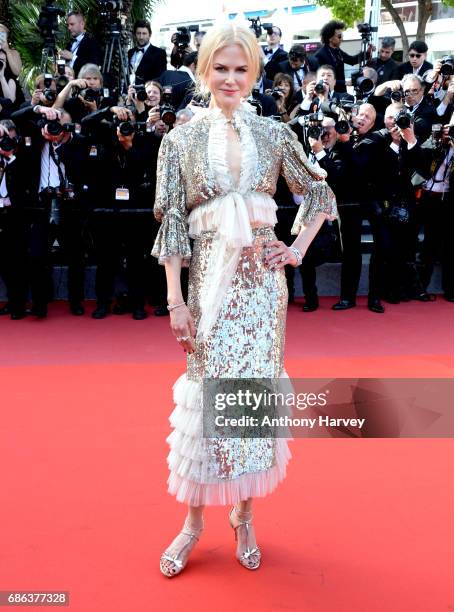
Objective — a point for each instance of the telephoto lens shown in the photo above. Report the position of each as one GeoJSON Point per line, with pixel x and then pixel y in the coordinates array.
{"type": "Point", "coordinates": [126, 128]}
{"type": "Point", "coordinates": [403, 119]}
{"type": "Point", "coordinates": [397, 96]}
{"type": "Point", "coordinates": [342, 126]}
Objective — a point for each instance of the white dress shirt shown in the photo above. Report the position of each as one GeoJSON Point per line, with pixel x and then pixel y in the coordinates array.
{"type": "Point", "coordinates": [49, 171]}
{"type": "Point", "coordinates": [74, 48]}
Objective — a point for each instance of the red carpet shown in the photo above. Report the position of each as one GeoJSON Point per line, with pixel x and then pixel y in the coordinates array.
{"type": "Point", "coordinates": [357, 525]}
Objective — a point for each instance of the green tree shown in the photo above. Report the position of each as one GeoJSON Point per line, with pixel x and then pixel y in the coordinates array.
{"type": "Point", "coordinates": [351, 11]}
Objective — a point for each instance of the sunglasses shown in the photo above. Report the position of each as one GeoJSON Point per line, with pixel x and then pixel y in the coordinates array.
{"type": "Point", "coordinates": [415, 55]}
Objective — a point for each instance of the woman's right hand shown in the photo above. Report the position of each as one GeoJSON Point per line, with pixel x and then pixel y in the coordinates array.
{"type": "Point", "coordinates": [182, 325]}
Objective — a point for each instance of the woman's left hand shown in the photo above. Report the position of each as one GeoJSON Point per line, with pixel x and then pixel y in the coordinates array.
{"type": "Point", "coordinates": [278, 255]}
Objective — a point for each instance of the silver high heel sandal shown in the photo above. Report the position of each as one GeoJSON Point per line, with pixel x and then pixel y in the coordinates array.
{"type": "Point", "coordinates": [250, 558]}
{"type": "Point", "coordinates": [177, 564]}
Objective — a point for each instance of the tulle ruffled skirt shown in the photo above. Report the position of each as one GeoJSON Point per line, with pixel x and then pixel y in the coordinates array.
{"type": "Point", "coordinates": [246, 341]}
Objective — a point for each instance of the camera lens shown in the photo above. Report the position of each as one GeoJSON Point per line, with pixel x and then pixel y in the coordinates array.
{"type": "Point", "coordinates": [396, 96]}
{"type": "Point", "coordinates": [342, 127]}
{"type": "Point", "coordinates": [126, 128]}
{"type": "Point", "coordinates": [320, 87]}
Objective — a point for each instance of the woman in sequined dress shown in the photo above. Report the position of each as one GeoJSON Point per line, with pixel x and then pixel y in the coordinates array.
{"type": "Point", "coordinates": [216, 178]}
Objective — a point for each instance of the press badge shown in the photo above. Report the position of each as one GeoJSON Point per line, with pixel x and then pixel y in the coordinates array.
{"type": "Point", "coordinates": [121, 193]}
{"type": "Point", "coordinates": [93, 151]}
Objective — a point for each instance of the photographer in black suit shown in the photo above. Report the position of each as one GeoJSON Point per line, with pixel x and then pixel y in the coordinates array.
{"type": "Point", "coordinates": [357, 185]}
{"type": "Point", "coordinates": [55, 160]}
{"type": "Point", "coordinates": [315, 97]}
{"type": "Point", "coordinates": [121, 180]}
{"type": "Point", "coordinates": [13, 248]}
{"type": "Point", "coordinates": [434, 162]}
{"type": "Point", "coordinates": [83, 48]}
{"type": "Point", "coordinates": [146, 62]}
{"type": "Point", "coordinates": [331, 35]}
{"type": "Point", "coordinates": [386, 67]}
{"type": "Point", "coordinates": [274, 54]}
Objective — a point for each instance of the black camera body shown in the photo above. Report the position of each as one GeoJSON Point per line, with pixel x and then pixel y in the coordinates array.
{"type": "Point", "coordinates": [127, 128]}
{"type": "Point", "coordinates": [365, 29]}
{"type": "Point", "coordinates": [7, 143]}
{"type": "Point", "coordinates": [320, 87]}
{"type": "Point", "coordinates": [447, 65]}
{"type": "Point", "coordinates": [89, 94]}
{"type": "Point", "coordinates": [403, 119]}
{"type": "Point", "coordinates": [397, 96]}
{"type": "Point", "coordinates": [141, 94]}
{"type": "Point", "coordinates": [55, 128]}
{"type": "Point", "coordinates": [277, 93]}
{"type": "Point", "coordinates": [254, 100]}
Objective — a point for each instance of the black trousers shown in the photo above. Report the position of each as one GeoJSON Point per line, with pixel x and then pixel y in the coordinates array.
{"type": "Point", "coordinates": [351, 217]}
{"type": "Point", "coordinates": [436, 215]}
{"type": "Point", "coordinates": [119, 235]}
{"type": "Point", "coordinates": [42, 235]}
{"type": "Point", "coordinates": [13, 256]}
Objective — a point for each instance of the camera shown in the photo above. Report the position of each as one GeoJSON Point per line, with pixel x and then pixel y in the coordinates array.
{"type": "Point", "coordinates": [89, 94]}
{"type": "Point", "coordinates": [397, 96]}
{"type": "Point", "coordinates": [141, 94]}
{"type": "Point", "coordinates": [447, 65]}
{"type": "Point", "coordinates": [7, 143]}
{"type": "Point", "coordinates": [166, 109]}
{"type": "Point", "coordinates": [363, 85]}
{"type": "Point", "coordinates": [127, 128]}
{"type": "Point", "coordinates": [55, 128]}
{"type": "Point", "coordinates": [314, 125]}
{"type": "Point", "coordinates": [108, 8]}
{"type": "Point", "coordinates": [365, 29]}
{"type": "Point", "coordinates": [48, 22]}
{"type": "Point", "coordinates": [277, 93]}
{"type": "Point", "coordinates": [403, 119]}
{"type": "Point", "coordinates": [320, 87]}
{"type": "Point", "coordinates": [254, 100]}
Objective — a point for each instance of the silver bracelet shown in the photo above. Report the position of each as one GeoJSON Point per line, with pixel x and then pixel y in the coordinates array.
{"type": "Point", "coordinates": [173, 306]}
{"type": "Point", "coordinates": [297, 253]}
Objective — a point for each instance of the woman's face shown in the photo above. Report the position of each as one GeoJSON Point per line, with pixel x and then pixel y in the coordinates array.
{"type": "Point", "coordinates": [229, 78]}
{"type": "Point", "coordinates": [285, 86]}
{"type": "Point", "coordinates": [154, 95]}
{"type": "Point", "coordinates": [93, 82]}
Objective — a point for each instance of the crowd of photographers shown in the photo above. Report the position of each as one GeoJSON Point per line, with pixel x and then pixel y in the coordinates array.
{"type": "Point", "coordinates": [78, 166]}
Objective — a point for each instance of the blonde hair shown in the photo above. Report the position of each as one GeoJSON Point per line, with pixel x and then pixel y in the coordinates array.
{"type": "Point", "coordinates": [220, 37]}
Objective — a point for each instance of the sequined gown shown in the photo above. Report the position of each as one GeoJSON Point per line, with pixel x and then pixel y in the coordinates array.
{"type": "Point", "coordinates": [238, 305]}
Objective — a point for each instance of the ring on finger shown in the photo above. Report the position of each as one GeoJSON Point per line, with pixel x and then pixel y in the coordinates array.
{"type": "Point", "coordinates": [283, 257]}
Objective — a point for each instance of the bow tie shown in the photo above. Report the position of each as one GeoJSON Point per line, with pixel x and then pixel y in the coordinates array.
{"type": "Point", "coordinates": [139, 50]}
{"type": "Point", "coordinates": [268, 51]}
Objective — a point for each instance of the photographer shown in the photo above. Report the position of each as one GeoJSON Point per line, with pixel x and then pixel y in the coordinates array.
{"type": "Point", "coordinates": [331, 36]}
{"type": "Point", "coordinates": [283, 94]}
{"type": "Point", "coordinates": [13, 248]}
{"type": "Point", "coordinates": [11, 95]}
{"type": "Point", "coordinates": [398, 197]}
{"type": "Point", "coordinates": [417, 63]}
{"type": "Point", "coordinates": [411, 90]}
{"type": "Point", "coordinates": [181, 80]}
{"type": "Point", "coordinates": [434, 162]}
{"type": "Point", "coordinates": [321, 90]}
{"type": "Point", "coordinates": [83, 48]}
{"type": "Point", "coordinates": [84, 95]}
{"type": "Point", "coordinates": [150, 109]}
{"type": "Point", "coordinates": [121, 178]}
{"type": "Point", "coordinates": [357, 185]}
{"type": "Point", "coordinates": [386, 67]}
{"type": "Point", "coordinates": [274, 54]}
{"type": "Point", "coordinates": [55, 158]}
{"type": "Point", "coordinates": [327, 151]}
{"type": "Point", "coordinates": [181, 47]}
{"type": "Point", "coordinates": [13, 58]}
{"type": "Point", "coordinates": [298, 65]}
{"type": "Point", "coordinates": [146, 62]}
